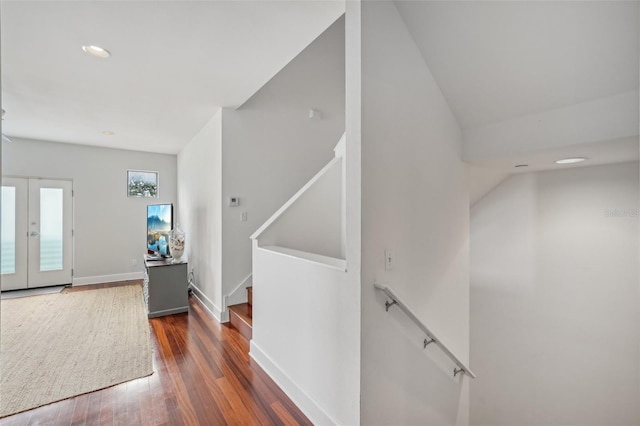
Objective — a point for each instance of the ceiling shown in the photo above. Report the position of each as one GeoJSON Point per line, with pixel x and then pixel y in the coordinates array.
{"type": "Point", "coordinates": [500, 60]}
{"type": "Point", "coordinates": [173, 65]}
{"type": "Point", "coordinates": [497, 62]}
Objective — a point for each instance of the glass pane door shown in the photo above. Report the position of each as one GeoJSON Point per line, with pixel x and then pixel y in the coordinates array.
{"type": "Point", "coordinates": [13, 233]}
{"type": "Point", "coordinates": [51, 229]}
{"type": "Point", "coordinates": [8, 230]}
{"type": "Point", "coordinates": [50, 232]}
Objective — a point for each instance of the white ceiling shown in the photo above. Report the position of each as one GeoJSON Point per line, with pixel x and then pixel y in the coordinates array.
{"type": "Point", "coordinates": [607, 152]}
{"type": "Point", "coordinates": [498, 62]}
{"type": "Point", "coordinates": [173, 64]}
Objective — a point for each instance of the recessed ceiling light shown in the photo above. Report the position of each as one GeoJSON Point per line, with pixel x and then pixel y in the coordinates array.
{"type": "Point", "coordinates": [108, 133]}
{"type": "Point", "coordinates": [570, 160]}
{"type": "Point", "coordinates": [96, 51]}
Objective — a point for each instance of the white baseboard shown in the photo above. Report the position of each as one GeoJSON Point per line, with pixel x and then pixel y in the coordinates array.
{"type": "Point", "coordinates": [303, 401]}
{"type": "Point", "coordinates": [209, 305]}
{"type": "Point", "coordinates": [99, 279]}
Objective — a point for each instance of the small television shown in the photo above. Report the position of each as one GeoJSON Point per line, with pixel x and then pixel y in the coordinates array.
{"type": "Point", "coordinates": [159, 223]}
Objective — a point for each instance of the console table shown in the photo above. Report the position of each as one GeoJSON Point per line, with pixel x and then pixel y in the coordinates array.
{"type": "Point", "coordinates": [165, 287]}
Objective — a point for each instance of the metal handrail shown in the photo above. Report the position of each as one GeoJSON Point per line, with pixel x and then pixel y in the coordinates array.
{"type": "Point", "coordinates": [431, 337]}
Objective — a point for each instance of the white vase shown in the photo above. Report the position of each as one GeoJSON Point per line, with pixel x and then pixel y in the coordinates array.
{"type": "Point", "coordinates": [176, 242]}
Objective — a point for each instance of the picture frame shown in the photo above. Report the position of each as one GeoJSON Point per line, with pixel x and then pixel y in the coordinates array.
{"type": "Point", "coordinates": [142, 184]}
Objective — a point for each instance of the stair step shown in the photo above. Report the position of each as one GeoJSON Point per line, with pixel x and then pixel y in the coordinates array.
{"type": "Point", "coordinates": [240, 318]}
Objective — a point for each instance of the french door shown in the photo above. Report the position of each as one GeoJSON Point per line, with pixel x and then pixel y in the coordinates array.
{"type": "Point", "coordinates": [36, 233]}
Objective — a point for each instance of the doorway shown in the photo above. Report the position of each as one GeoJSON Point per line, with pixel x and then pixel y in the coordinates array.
{"type": "Point", "coordinates": [36, 230]}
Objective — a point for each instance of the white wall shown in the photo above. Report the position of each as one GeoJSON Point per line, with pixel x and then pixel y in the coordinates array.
{"type": "Point", "coordinates": [313, 221]}
{"type": "Point", "coordinates": [415, 201]}
{"type": "Point", "coordinates": [482, 181]}
{"type": "Point", "coordinates": [110, 228]}
{"type": "Point", "coordinates": [318, 307]}
{"type": "Point", "coordinates": [300, 295]}
{"type": "Point", "coordinates": [199, 212]}
{"type": "Point", "coordinates": [303, 335]}
{"type": "Point", "coordinates": [271, 148]}
{"type": "Point", "coordinates": [555, 315]}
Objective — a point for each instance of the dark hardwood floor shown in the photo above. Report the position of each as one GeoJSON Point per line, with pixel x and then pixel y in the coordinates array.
{"type": "Point", "coordinates": [203, 375]}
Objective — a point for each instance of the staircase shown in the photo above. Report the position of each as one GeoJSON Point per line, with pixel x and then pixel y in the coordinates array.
{"type": "Point", "coordinates": [240, 315]}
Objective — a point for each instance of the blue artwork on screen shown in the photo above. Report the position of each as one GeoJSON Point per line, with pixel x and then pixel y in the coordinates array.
{"type": "Point", "coordinates": [159, 223]}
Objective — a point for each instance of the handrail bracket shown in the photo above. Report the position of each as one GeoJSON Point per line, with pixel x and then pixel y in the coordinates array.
{"type": "Point", "coordinates": [428, 341]}
{"type": "Point", "coordinates": [388, 304]}
{"type": "Point", "coordinates": [458, 370]}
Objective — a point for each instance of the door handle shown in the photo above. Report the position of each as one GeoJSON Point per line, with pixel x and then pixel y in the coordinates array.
{"type": "Point", "coordinates": [34, 234]}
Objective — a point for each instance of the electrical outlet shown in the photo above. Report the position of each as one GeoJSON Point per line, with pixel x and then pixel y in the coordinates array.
{"type": "Point", "coordinates": [134, 262]}
{"type": "Point", "coordinates": [389, 260]}
{"type": "Point", "coordinates": [244, 217]}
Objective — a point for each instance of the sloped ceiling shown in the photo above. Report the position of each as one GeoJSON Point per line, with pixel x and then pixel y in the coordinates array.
{"type": "Point", "coordinates": [530, 81]}
{"type": "Point", "coordinates": [173, 64]}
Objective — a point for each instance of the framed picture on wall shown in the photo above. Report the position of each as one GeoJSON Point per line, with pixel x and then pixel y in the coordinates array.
{"type": "Point", "coordinates": [142, 184]}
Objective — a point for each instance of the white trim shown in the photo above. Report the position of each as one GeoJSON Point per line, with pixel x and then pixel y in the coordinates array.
{"type": "Point", "coordinates": [316, 259]}
{"type": "Point", "coordinates": [340, 149]}
{"type": "Point", "coordinates": [209, 305]}
{"type": "Point", "coordinates": [99, 279]}
{"type": "Point", "coordinates": [307, 405]}
{"type": "Point", "coordinates": [236, 296]}
{"type": "Point", "coordinates": [295, 197]}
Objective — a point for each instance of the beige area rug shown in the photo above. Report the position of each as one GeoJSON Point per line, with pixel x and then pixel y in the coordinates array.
{"type": "Point", "coordinates": [57, 346]}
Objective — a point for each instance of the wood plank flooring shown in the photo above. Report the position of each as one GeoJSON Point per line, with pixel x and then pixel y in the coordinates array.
{"type": "Point", "coordinates": [203, 375]}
